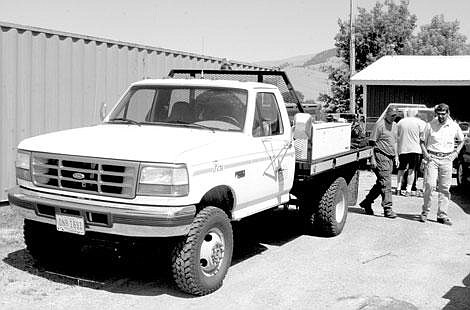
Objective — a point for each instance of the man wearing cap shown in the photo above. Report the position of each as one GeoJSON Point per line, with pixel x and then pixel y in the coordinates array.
{"type": "Point", "coordinates": [383, 139]}
{"type": "Point", "coordinates": [439, 151]}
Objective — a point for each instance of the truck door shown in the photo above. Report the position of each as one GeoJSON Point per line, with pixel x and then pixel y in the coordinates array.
{"type": "Point", "coordinates": [276, 170]}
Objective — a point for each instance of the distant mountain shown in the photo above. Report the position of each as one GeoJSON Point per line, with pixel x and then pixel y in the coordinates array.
{"type": "Point", "coordinates": [291, 61]}
{"type": "Point", "coordinates": [321, 57]}
{"type": "Point", "coordinates": [302, 60]}
{"type": "Point", "coordinates": [305, 72]}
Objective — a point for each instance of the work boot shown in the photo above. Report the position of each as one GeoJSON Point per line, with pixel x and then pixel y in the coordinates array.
{"type": "Point", "coordinates": [367, 208]}
{"type": "Point", "coordinates": [423, 218]}
{"type": "Point", "coordinates": [390, 213]}
{"type": "Point", "coordinates": [445, 221]}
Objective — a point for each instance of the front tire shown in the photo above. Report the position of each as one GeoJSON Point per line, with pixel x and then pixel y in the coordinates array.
{"type": "Point", "coordinates": [39, 239]}
{"type": "Point", "coordinates": [47, 245]}
{"type": "Point", "coordinates": [333, 209]}
{"type": "Point", "coordinates": [201, 261]}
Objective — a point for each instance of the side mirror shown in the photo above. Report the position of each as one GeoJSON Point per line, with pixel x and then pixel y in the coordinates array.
{"type": "Point", "coordinates": [103, 110]}
{"type": "Point", "coordinates": [302, 126]}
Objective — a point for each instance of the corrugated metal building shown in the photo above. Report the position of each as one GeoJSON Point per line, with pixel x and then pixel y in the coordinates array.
{"type": "Point", "coordinates": [53, 80]}
{"type": "Point", "coordinates": [425, 80]}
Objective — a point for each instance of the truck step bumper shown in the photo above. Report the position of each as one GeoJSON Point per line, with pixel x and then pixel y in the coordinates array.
{"type": "Point", "coordinates": [105, 217]}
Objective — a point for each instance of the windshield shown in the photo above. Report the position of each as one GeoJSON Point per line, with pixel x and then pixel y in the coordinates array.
{"type": "Point", "coordinates": [199, 107]}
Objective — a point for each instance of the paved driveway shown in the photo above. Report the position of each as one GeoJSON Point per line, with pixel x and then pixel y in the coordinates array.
{"type": "Point", "coordinates": [376, 263]}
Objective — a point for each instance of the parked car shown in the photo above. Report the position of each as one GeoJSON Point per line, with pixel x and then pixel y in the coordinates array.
{"type": "Point", "coordinates": [462, 164]}
{"type": "Point", "coordinates": [465, 127]}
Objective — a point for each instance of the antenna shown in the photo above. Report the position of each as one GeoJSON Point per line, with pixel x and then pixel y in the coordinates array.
{"type": "Point", "coordinates": [203, 60]}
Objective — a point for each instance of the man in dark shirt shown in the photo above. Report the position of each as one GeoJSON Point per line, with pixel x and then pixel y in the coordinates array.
{"type": "Point", "coordinates": [383, 139]}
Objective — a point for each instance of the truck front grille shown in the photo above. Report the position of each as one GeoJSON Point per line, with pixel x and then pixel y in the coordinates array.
{"type": "Point", "coordinates": [85, 175]}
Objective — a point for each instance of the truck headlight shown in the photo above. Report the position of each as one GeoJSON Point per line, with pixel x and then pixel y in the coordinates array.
{"type": "Point", "coordinates": [163, 180]}
{"type": "Point", "coordinates": [22, 165]}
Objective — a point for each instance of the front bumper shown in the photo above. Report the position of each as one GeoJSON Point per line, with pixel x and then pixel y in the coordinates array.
{"type": "Point", "coordinates": [104, 216]}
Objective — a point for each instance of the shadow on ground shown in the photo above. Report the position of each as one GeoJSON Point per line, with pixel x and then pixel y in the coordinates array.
{"type": "Point", "coordinates": [461, 196]}
{"type": "Point", "coordinates": [145, 270]}
{"type": "Point", "coordinates": [459, 296]}
{"type": "Point", "coordinates": [379, 213]}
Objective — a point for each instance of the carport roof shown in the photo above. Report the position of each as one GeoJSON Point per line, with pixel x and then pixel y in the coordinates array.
{"type": "Point", "coordinates": [416, 70]}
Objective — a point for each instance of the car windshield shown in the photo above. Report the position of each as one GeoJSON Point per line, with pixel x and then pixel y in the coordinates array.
{"type": "Point", "coordinates": [212, 108]}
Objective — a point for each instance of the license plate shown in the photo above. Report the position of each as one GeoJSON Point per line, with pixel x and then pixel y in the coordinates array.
{"type": "Point", "coordinates": [70, 224]}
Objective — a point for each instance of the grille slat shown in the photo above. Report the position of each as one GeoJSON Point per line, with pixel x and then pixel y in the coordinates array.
{"type": "Point", "coordinates": [78, 169]}
{"type": "Point", "coordinates": [39, 165]}
{"type": "Point", "coordinates": [102, 172]}
{"type": "Point", "coordinates": [37, 174]}
{"type": "Point", "coordinates": [86, 175]}
{"type": "Point", "coordinates": [81, 181]}
{"type": "Point", "coordinates": [116, 184]}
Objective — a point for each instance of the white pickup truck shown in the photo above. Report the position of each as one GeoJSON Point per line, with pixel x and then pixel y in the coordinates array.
{"type": "Point", "coordinates": [183, 158]}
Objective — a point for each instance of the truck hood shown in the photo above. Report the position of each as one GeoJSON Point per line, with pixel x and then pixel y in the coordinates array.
{"type": "Point", "coordinates": [130, 142]}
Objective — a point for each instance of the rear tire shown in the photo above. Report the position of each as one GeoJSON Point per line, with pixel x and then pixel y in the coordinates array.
{"type": "Point", "coordinates": [333, 209]}
{"type": "Point", "coordinates": [201, 261]}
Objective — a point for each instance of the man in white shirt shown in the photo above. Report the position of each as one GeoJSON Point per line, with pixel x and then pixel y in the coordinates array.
{"type": "Point", "coordinates": [437, 143]}
{"type": "Point", "coordinates": [408, 147]}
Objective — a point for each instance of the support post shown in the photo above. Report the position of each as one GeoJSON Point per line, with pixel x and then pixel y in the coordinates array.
{"type": "Point", "coordinates": [352, 57]}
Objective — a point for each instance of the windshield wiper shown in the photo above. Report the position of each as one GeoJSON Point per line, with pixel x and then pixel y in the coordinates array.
{"type": "Point", "coordinates": [192, 125]}
{"type": "Point", "coordinates": [124, 120]}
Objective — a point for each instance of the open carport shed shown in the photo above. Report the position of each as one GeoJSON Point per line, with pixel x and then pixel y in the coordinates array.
{"type": "Point", "coordinates": [425, 80]}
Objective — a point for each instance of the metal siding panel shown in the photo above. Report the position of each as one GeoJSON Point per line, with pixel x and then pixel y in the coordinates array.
{"type": "Point", "coordinates": [111, 74]}
{"type": "Point", "coordinates": [132, 67]}
{"type": "Point", "coordinates": [77, 83]}
{"type": "Point", "coordinates": [162, 63]}
{"type": "Point", "coordinates": [141, 63]}
{"type": "Point", "coordinates": [51, 84]}
{"type": "Point", "coordinates": [3, 161]}
{"type": "Point", "coordinates": [4, 175]}
{"type": "Point", "coordinates": [65, 78]}
{"type": "Point", "coordinates": [37, 84]}
{"type": "Point", "coordinates": [23, 77]}
{"type": "Point", "coordinates": [151, 65]}
{"type": "Point", "coordinates": [8, 102]}
{"type": "Point", "coordinates": [144, 64]}
{"type": "Point", "coordinates": [100, 87]}
{"type": "Point", "coordinates": [122, 77]}
{"type": "Point", "coordinates": [89, 83]}
{"type": "Point", "coordinates": [170, 62]}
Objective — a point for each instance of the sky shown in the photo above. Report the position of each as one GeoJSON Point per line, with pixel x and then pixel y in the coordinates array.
{"type": "Point", "coordinates": [242, 30]}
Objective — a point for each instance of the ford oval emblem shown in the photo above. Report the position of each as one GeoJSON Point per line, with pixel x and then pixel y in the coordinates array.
{"type": "Point", "coordinates": [78, 176]}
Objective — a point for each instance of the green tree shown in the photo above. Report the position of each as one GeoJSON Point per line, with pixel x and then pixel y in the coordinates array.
{"type": "Point", "coordinates": [385, 30]}
{"type": "Point", "coordinates": [440, 38]}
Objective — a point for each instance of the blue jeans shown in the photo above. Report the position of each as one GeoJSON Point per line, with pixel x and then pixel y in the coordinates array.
{"type": "Point", "coordinates": [383, 184]}
{"type": "Point", "coordinates": [438, 170]}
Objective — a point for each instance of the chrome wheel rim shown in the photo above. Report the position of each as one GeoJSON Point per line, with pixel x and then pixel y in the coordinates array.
{"type": "Point", "coordinates": [212, 252]}
{"type": "Point", "coordinates": [460, 174]}
{"type": "Point", "coordinates": [340, 208]}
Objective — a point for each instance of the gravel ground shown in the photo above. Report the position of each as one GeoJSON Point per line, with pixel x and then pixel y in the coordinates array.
{"type": "Point", "coordinates": [376, 263]}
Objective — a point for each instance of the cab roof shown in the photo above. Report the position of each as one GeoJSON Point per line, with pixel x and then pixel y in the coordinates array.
{"type": "Point", "coordinates": [204, 83]}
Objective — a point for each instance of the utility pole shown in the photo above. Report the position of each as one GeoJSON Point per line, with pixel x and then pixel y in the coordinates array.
{"type": "Point", "coordinates": [352, 56]}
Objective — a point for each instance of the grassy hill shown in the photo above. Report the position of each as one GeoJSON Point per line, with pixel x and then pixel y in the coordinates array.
{"type": "Point", "coordinates": [305, 72]}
